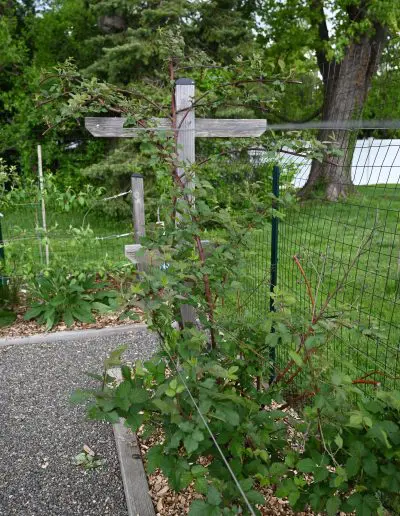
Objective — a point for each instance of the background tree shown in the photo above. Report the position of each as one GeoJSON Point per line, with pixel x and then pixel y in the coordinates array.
{"type": "Point", "coordinates": [347, 39]}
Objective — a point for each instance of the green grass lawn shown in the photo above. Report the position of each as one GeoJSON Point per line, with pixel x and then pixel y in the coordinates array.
{"type": "Point", "coordinates": [96, 244]}
{"type": "Point", "coordinates": [327, 238]}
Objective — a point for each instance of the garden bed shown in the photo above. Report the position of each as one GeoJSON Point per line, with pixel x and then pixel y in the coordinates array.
{"type": "Point", "coordinates": [22, 328]}
{"type": "Point", "coordinates": [168, 502]}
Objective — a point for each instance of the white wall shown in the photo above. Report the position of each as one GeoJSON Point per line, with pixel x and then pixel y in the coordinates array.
{"type": "Point", "coordinates": [374, 162]}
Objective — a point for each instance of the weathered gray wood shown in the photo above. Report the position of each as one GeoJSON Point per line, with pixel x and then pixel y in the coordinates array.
{"type": "Point", "coordinates": [185, 123]}
{"type": "Point", "coordinates": [138, 500]}
{"type": "Point", "coordinates": [134, 478]}
{"type": "Point", "coordinates": [144, 259]}
{"type": "Point", "coordinates": [111, 127]}
{"type": "Point", "coordinates": [138, 206]}
{"type": "Point", "coordinates": [230, 128]}
{"type": "Point", "coordinates": [154, 257]}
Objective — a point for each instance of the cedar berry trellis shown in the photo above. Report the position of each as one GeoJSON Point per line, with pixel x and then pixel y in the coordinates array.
{"type": "Point", "coordinates": [185, 127]}
{"type": "Point", "coordinates": [314, 248]}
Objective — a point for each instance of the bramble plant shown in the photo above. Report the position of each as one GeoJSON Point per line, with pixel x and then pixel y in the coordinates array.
{"type": "Point", "coordinates": [211, 385]}
{"type": "Point", "coordinates": [212, 389]}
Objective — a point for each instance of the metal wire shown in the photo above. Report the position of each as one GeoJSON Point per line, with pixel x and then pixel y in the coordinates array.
{"type": "Point", "coordinates": [234, 478]}
{"type": "Point", "coordinates": [326, 237]}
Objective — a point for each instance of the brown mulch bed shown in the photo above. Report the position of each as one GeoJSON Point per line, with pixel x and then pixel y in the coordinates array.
{"type": "Point", "coordinates": [21, 328]}
{"type": "Point", "coordinates": [170, 503]}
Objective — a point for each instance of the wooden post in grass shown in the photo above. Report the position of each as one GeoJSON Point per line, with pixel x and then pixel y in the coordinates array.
{"type": "Point", "coordinates": [41, 187]}
{"type": "Point", "coordinates": [188, 128]}
{"type": "Point", "coordinates": [139, 229]}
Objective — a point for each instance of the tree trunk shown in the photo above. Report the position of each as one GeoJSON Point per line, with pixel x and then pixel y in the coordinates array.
{"type": "Point", "coordinates": [346, 86]}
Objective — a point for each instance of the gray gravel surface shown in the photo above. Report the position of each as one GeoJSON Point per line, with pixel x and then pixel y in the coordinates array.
{"type": "Point", "coordinates": [41, 432]}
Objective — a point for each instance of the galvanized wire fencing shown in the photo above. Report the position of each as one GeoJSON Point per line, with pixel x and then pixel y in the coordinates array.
{"type": "Point", "coordinates": [342, 258]}
{"type": "Point", "coordinates": [71, 235]}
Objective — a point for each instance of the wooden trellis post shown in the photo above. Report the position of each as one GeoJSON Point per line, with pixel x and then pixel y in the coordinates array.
{"type": "Point", "coordinates": [188, 129]}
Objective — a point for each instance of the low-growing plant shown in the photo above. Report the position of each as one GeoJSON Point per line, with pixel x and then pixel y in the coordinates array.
{"type": "Point", "coordinates": [59, 295]}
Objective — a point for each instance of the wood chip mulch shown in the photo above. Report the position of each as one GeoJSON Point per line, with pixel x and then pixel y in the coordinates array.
{"type": "Point", "coordinates": [22, 328]}
{"type": "Point", "coordinates": [170, 503]}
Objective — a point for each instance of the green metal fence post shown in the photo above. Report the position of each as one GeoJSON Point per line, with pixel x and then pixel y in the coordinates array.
{"type": "Point", "coordinates": [3, 279]}
{"type": "Point", "coordinates": [274, 251]}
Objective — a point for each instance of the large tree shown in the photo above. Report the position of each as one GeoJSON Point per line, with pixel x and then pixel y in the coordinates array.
{"type": "Point", "coordinates": [347, 38]}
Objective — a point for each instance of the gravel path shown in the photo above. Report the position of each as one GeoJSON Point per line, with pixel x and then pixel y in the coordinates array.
{"type": "Point", "coordinates": [41, 432]}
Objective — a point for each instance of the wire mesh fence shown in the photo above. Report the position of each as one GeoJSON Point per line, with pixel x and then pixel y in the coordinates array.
{"type": "Point", "coordinates": [75, 237]}
{"type": "Point", "coordinates": [346, 252]}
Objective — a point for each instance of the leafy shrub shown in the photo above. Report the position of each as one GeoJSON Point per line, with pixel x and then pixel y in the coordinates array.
{"type": "Point", "coordinates": [344, 456]}
{"type": "Point", "coordinates": [62, 296]}
{"type": "Point", "coordinates": [9, 299]}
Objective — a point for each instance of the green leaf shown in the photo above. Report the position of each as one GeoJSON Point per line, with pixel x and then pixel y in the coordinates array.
{"type": "Point", "coordinates": [112, 417]}
{"type": "Point", "coordinates": [154, 457]}
{"type": "Point", "coordinates": [80, 395]}
{"type": "Point", "coordinates": [296, 358]}
{"type": "Point", "coordinates": [321, 474]}
{"type": "Point", "coordinates": [199, 508]}
{"type": "Point", "coordinates": [352, 466]}
{"type": "Point", "coordinates": [333, 505]}
{"type": "Point", "coordinates": [138, 395]}
{"type": "Point", "coordinates": [190, 443]}
{"type": "Point", "coordinates": [68, 318]}
{"type": "Point", "coordinates": [102, 308]}
{"type": "Point", "coordinates": [173, 384]}
{"type": "Point", "coordinates": [228, 414]}
{"type": "Point", "coordinates": [255, 497]}
{"type": "Point", "coordinates": [201, 485]}
{"type": "Point", "coordinates": [213, 496]}
{"type": "Point", "coordinates": [370, 466]}
{"type": "Point", "coordinates": [34, 312]}
{"type": "Point", "coordinates": [7, 318]}
{"type": "Point", "coordinates": [306, 466]}
{"type": "Point", "coordinates": [126, 372]}
{"type": "Point", "coordinates": [134, 421]}
{"type": "Point", "coordinates": [339, 441]}
{"type": "Point", "coordinates": [198, 470]}
{"type": "Point", "coordinates": [293, 497]}
{"type": "Point", "coordinates": [277, 469]}
{"type": "Point", "coordinates": [356, 420]}
{"type": "Point", "coordinates": [122, 395]}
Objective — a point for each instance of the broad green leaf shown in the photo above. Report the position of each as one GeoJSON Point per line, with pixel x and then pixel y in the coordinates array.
{"type": "Point", "coordinates": [133, 421]}
{"type": "Point", "coordinates": [213, 496]}
{"type": "Point", "coordinates": [34, 312]}
{"type": "Point", "coordinates": [255, 497]}
{"type": "Point", "coordinates": [333, 505]}
{"type": "Point", "coordinates": [321, 474]}
{"type": "Point", "coordinates": [199, 508]}
{"type": "Point", "coordinates": [306, 466]}
{"type": "Point", "coordinates": [201, 485]}
{"type": "Point", "coordinates": [7, 318]}
{"type": "Point", "coordinates": [198, 470]}
{"type": "Point", "coordinates": [154, 457]}
{"type": "Point", "coordinates": [352, 466]}
{"type": "Point", "coordinates": [80, 395]}
{"type": "Point", "coordinates": [370, 466]}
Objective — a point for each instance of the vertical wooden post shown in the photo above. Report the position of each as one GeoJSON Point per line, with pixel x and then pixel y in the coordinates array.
{"type": "Point", "coordinates": [185, 124]}
{"type": "Point", "coordinates": [41, 186]}
{"type": "Point", "coordinates": [185, 121]}
{"type": "Point", "coordinates": [138, 207]}
{"type": "Point", "coordinates": [139, 229]}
